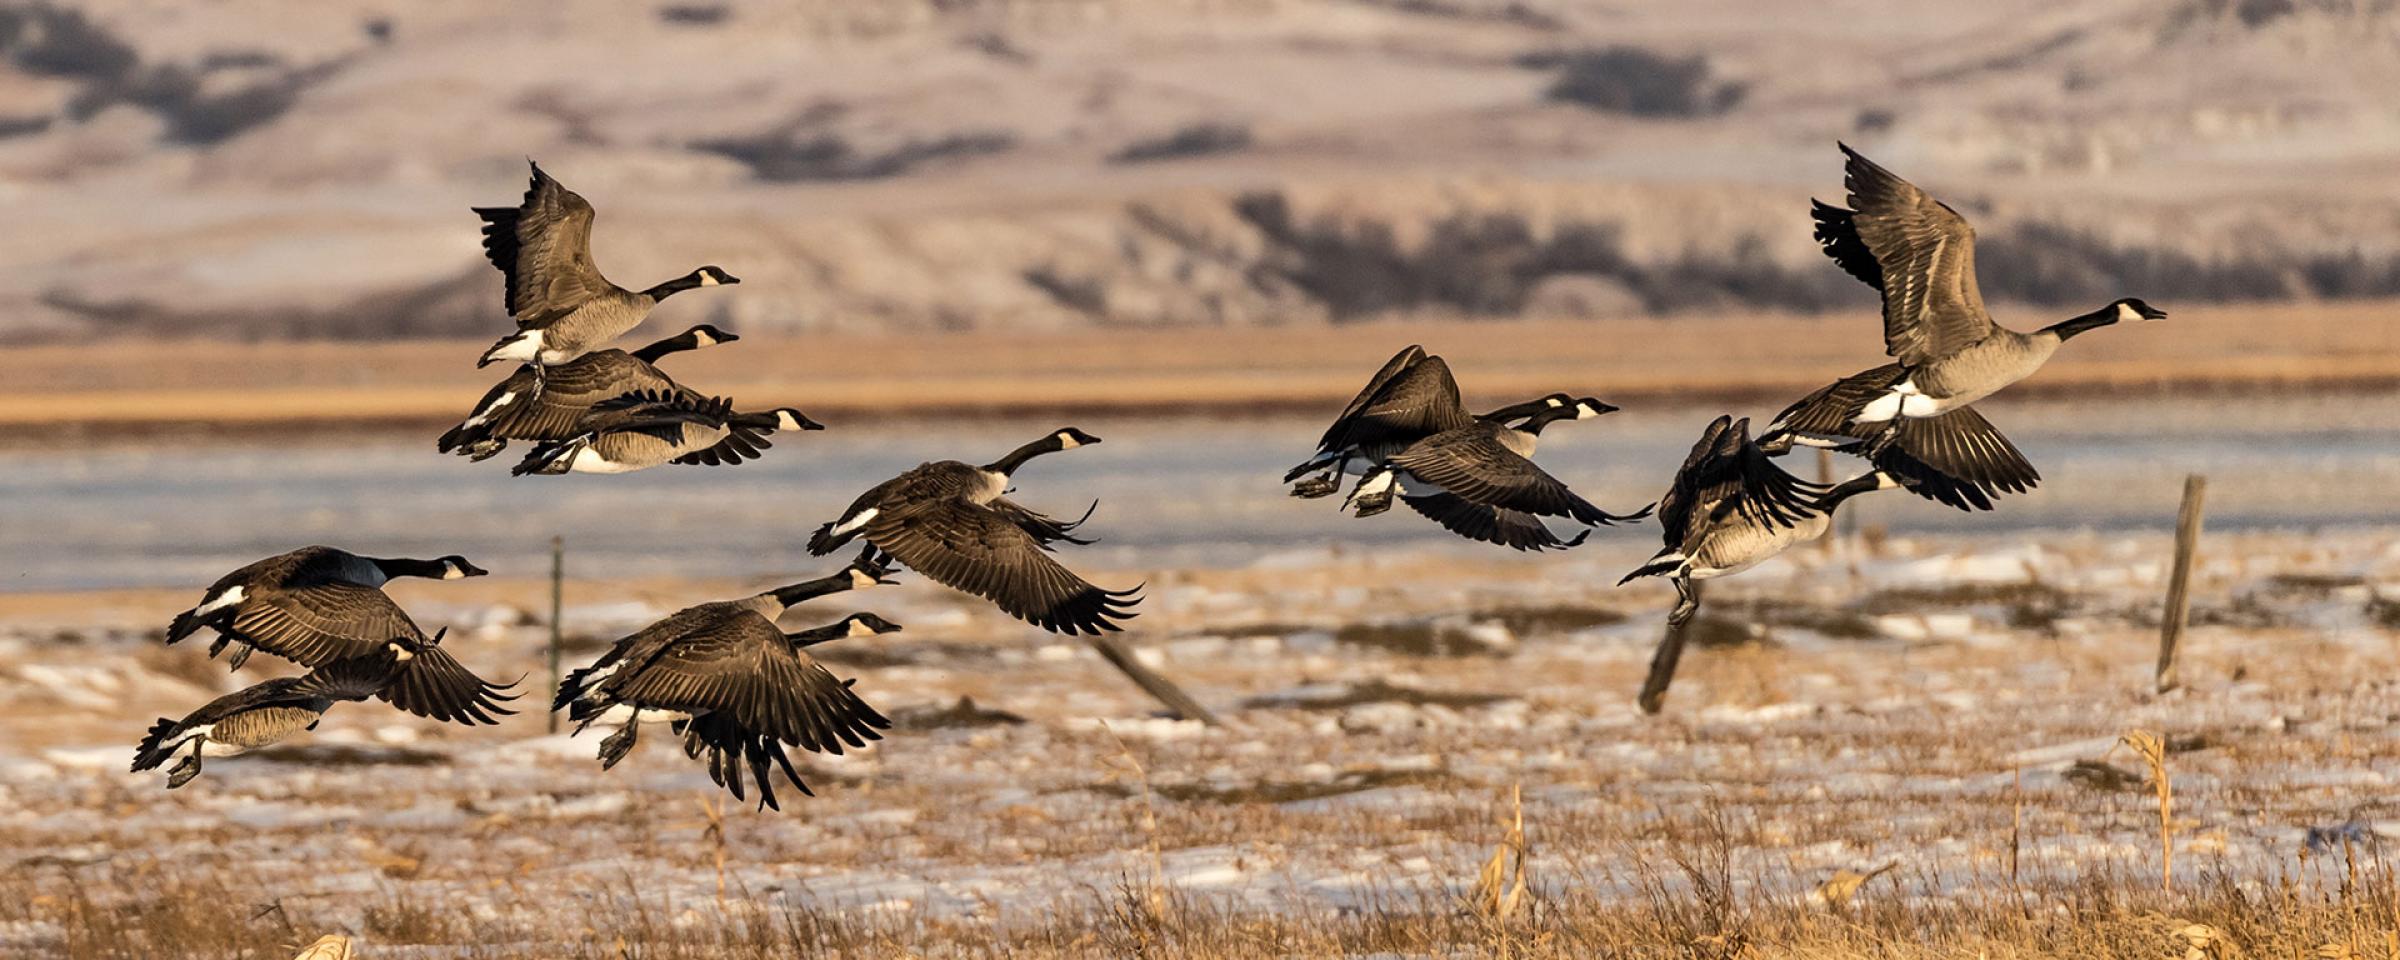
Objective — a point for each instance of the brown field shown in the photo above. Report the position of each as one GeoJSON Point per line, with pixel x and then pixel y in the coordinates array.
{"type": "Point", "coordinates": [135, 385]}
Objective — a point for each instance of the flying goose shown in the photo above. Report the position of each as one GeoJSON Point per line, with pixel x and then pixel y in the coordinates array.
{"type": "Point", "coordinates": [1921, 255]}
{"type": "Point", "coordinates": [563, 307]}
{"type": "Point", "coordinates": [732, 683]}
{"type": "Point", "coordinates": [643, 430]}
{"type": "Point", "coordinates": [1487, 463]}
{"type": "Point", "coordinates": [1412, 397]}
{"type": "Point", "coordinates": [268, 712]}
{"type": "Point", "coordinates": [547, 403]}
{"type": "Point", "coordinates": [319, 605]}
{"type": "Point", "coordinates": [949, 521]}
{"type": "Point", "coordinates": [1731, 508]}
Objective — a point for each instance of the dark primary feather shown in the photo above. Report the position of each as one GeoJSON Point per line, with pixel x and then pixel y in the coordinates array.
{"type": "Point", "coordinates": [1472, 464]}
{"type": "Point", "coordinates": [725, 658]}
{"type": "Point", "coordinates": [1475, 521]}
{"type": "Point", "coordinates": [1420, 401]}
{"type": "Point", "coordinates": [1726, 471]}
{"type": "Point", "coordinates": [1838, 237]}
{"type": "Point", "coordinates": [982, 552]}
{"type": "Point", "coordinates": [543, 250]}
{"type": "Point", "coordinates": [551, 403]}
{"type": "Point", "coordinates": [1958, 458]}
{"type": "Point", "coordinates": [1407, 357]}
{"type": "Point", "coordinates": [1926, 255]}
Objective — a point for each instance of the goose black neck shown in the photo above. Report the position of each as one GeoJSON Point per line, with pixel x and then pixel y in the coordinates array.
{"type": "Point", "coordinates": [807, 590]}
{"type": "Point", "coordinates": [1848, 488]}
{"type": "Point", "coordinates": [1515, 411]}
{"type": "Point", "coordinates": [1544, 418]}
{"type": "Point", "coordinates": [1007, 466]}
{"type": "Point", "coordinates": [824, 634]}
{"type": "Point", "coordinates": [756, 421]}
{"type": "Point", "coordinates": [675, 344]}
{"type": "Point", "coordinates": [670, 288]}
{"type": "Point", "coordinates": [2068, 328]}
{"type": "Point", "coordinates": [403, 567]}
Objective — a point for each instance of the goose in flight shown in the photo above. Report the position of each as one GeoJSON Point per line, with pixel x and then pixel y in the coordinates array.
{"type": "Point", "coordinates": [1920, 254]}
{"type": "Point", "coordinates": [563, 307]}
{"type": "Point", "coordinates": [1731, 508]}
{"type": "Point", "coordinates": [320, 605]}
{"type": "Point", "coordinates": [268, 712]}
{"type": "Point", "coordinates": [549, 403]}
{"type": "Point", "coordinates": [949, 521]}
{"type": "Point", "coordinates": [643, 430]}
{"type": "Point", "coordinates": [733, 684]}
{"type": "Point", "coordinates": [1487, 464]}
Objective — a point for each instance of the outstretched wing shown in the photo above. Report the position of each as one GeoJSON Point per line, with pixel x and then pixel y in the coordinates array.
{"type": "Point", "coordinates": [744, 668]}
{"type": "Point", "coordinates": [543, 247]}
{"type": "Point", "coordinates": [1475, 521]}
{"type": "Point", "coordinates": [986, 553]}
{"type": "Point", "coordinates": [1958, 459]}
{"type": "Point", "coordinates": [319, 623]}
{"type": "Point", "coordinates": [434, 685]}
{"type": "Point", "coordinates": [1418, 402]}
{"type": "Point", "coordinates": [1726, 471]}
{"type": "Point", "coordinates": [1473, 465]}
{"type": "Point", "coordinates": [1925, 253]}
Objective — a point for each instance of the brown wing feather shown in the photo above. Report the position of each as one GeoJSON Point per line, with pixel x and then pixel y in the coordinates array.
{"type": "Point", "coordinates": [1472, 464]}
{"type": "Point", "coordinates": [436, 686]}
{"type": "Point", "coordinates": [1419, 402]}
{"type": "Point", "coordinates": [970, 548]}
{"type": "Point", "coordinates": [323, 622]}
{"type": "Point", "coordinates": [543, 248]}
{"type": "Point", "coordinates": [745, 668]}
{"type": "Point", "coordinates": [1931, 304]}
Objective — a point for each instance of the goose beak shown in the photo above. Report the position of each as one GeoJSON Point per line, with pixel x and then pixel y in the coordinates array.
{"type": "Point", "coordinates": [2149, 312]}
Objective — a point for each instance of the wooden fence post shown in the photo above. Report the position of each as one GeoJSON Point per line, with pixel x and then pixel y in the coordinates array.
{"type": "Point", "coordinates": [2187, 543]}
{"type": "Point", "coordinates": [558, 578]}
{"type": "Point", "coordinates": [1158, 687]}
{"type": "Point", "coordinates": [1670, 652]}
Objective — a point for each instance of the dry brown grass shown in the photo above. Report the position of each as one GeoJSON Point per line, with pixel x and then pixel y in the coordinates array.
{"type": "Point", "coordinates": [138, 384]}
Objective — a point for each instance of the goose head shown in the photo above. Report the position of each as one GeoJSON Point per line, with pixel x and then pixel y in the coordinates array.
{"type": "Point", "coordinates": [1589, 407]}
{"type": "Point", "coordinates": [708, 335]}
{"type": "Point", "coordinates": [703, 277]}
{"type": "Point", "coordinates": [867, 625]}
{"type": "Point", "coordinates": [455, 567]}
{"type": "Point", "coordinates": [2121, 311]}
{"type": "Point", "coordinates": [711, 276]}
{"type": "Point", "coordinates": [787, 418]}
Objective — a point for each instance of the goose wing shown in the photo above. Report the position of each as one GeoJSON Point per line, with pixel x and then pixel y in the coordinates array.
{"type": "Point", "coordinates": [1925, 258]}
{"type": "Point", "coordinates": [550, 405]}
{"type": "Point", "coordinates": [1726, 473]}
{"type": "Point", "coordinates": [543, 247]}
{"type": "Point", "coordinates": [743, 667]}
{"type": "Point", "coordinates": [1474, 521]}
{"type": "Point", "coordinates": [1472, 464]}
{"type": "Point", "coordinates": [434, 685]}
{"type": "Point", "coordinates": [1044, 528]}
{"type": "Point", "coordinates": [1408, 356]}
{"type": "Point", "coordinates": [1958, 459]}
{"type": "Point", "coordinates": [1419, 401]}
{"type": "Point", "coordinates": [986, 553]}
{"type": "Point", "coordinates": [318, 623]}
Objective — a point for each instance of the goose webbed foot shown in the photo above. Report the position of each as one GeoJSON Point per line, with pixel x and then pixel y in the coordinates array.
{"type": "Point", "coordinates": [1891, 432]}
{"type": "Point", "coordinates": [187, 768]}
{"type": "Point", "coordinates": [1687, 605]}
{"type": "Point", "coordinates": [618, 744]}
{"type": "Point", "coordinates": [241, 655]}
{"type": "Point", "coordinates": [1373, 503]}
{"type": "Point", "coordinates": [1321, 485]}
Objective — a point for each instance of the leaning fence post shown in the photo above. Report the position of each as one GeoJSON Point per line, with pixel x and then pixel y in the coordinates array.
{"type": "Point", "coordinates": [558, 578]}
{"type": "Point", "coordinates": [1670, 653]}
{"type": "Point", "coordinates": [2187, 542]}
{"type": "Point", "coordinates": [1160, 688]}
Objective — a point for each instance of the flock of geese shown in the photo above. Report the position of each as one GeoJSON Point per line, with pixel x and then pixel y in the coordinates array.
{"type": "Point", "coordinates": [735, 687]}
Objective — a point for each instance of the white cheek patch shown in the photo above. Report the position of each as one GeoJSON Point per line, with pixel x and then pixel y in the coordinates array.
{"type": "Point", "coordinates": [2126, 313]}
{"type": "Point", "coordinates": [231, 596]}
{"type": "Point", "coordinates": [859, 628]}
{"type": "Point", "coordinates": [860, 581]}
{"type": "Point", "coordinates": [864, 516]}
{"type": "Point", "coordinates": [451, 571]}
{"type": "Point", "coordinates": [707, 279]}
{"type": "Point", "coordinates": [1066, 442]}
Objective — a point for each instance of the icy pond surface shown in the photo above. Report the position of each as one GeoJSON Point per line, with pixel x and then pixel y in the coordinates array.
{"type": "Point", "coordinates": [1174, 493]}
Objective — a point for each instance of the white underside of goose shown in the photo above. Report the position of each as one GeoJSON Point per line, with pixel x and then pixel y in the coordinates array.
{"type": "Point", "coordinates": [522, 348]}
{"type": "Point", "coordinates": [1904, 400]}
{"type": "Point", "coordinates": [208, 748]}
{"type": "Point", "coordinates": [588, 460]}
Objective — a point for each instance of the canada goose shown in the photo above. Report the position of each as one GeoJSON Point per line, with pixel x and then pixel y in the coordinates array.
{"type": "Point", "coordinates": [730, 681]}
{"type": "Point", "coordinates": [1487, 463]}
{"type": "Point", "coordinates": [949, 521]}
{"type": "Point", "coordinates": [319, 605]}
{"type": "Point", "coordinates": [1412, 397]}
{"type": "Point", "coordinates": [265, 713]}
{"type": "Point", "coordinates": [547, 403]}
{"type": "Point", "coordinates": [1731, 508]}
{"type": "Point", "coordinates": [563, 307]}
{"type": "Point", "coordinates": [1921, 255]}
{"type": "Point", "coordinates": [643, 430]}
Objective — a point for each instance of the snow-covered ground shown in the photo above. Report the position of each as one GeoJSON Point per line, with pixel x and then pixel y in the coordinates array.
{"type": "Point", "coordinates": [1951, 703]}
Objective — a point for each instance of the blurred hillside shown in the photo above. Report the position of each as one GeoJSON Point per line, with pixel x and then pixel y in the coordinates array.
{"type": "Point", "coordinates": [260, 169]}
